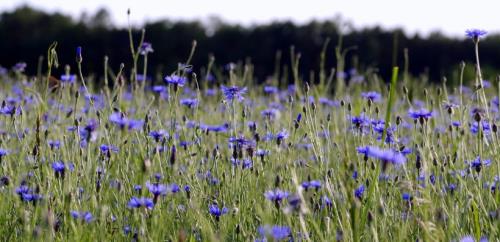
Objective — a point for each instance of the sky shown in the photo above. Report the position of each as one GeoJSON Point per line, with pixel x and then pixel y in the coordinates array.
{"type": "Point", "coordinates": [451, 17]}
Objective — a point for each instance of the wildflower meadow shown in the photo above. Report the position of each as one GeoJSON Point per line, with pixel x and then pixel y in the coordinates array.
{"type": "Point", "coordinates": [206, 153]}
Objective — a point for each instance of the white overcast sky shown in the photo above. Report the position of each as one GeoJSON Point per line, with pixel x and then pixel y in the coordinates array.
{"type": "Point", "coordinates": [452, 17]}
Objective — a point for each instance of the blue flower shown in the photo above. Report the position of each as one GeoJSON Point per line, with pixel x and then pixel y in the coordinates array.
{"type": "Point", "coordinates": [159, 135]}
{"type": "Point", "coordinates": [157, 189]}
{"type": "Point", "coordinates": [3, 152]}
{"type": "Point", "coordinates": [54, 144]}
{"type": "Point", "coordinates": [19, 67]}
{"type": "Point", "coordinates": [372, 96]}
{"type": "Point", "coordinates": [136, 202]}
{"type": "Point", "coordinates": [215, 128]}
{"type": "Point", "coordinates": [146, 48]}
{"type": "Point", "coordinates": [175, 80]}
{"type": "Point", "coordinates": [189, 102]}
{"type": "Point", "coordinates": [314, 184]}
{"type": "Point", "coordinates": [216, 211]}
{"type": "Point", "coordinates": [84, 216]}
{"type": "Point", "coordinates": [270, 89]}
{"type": "Point", "coordinates": [278, 233]}
{"type": "Point", "coordinates": [233, 92]}
{"type": "Point", "coordinates": [477, 164]}
{"type": "Point", "coordinates": [122, 121]}
{"type": "Point", "coordinates": [406, 197]}
{"type": "Point", "coordinates": [385, 155]}
{"type": "Point", "coordinates": [67, 78]}
{"type": "Point", "coordinates": [420, 114]}
{"type": "Point", "coordinates": [359, 191]}
{"type": "Point", "coordinates": [276, 195]}
{"type": "Point", "coordinates": [108, 148]}
{"type": "Point", "coordinates": [475, 34]}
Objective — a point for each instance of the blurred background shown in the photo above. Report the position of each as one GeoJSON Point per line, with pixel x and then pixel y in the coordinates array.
{"type": "Point", "coordinates": [258, 32]}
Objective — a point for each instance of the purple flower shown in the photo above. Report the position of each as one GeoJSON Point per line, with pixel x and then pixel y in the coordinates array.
{"type": "Point", "coordinates": [385, 155]}
{"type": "Point", "coordinates": [146, 48]}
{"type": "Point", "coordinates": [216, 211]}
{"type": "Point", "coordinates": [136, 202]}
{"type": "Point", "coordinates": [276, 195]}
{"type": "Point", "coordinates": [67, 78]}
{"type": "Point", "coordinates": [359, 191]}
{"type": "Point", "coordinates": [158, 135]}
{"type": "Point", "coordinates": [270, 89]}
{"type": "Point", "coordinates": [278, 233]}
{"type": "Point", "coordinates": [420, 114]}
{"type": "Point", "coordinates": [122, 121]}
{"type": "Point", "coordinates": [84, 216]}
{"type": "Point", "coordinates": [175, 80]}
{"type": "Point", "coordinates": [230, 93]}
{"type": "Point", "coordinates": [477, 164]}
{"type": "Point", "coordinates": [3, 152]}
{"type": "Point", "coordinates": [372, 96]}
{"type": "Point", "coordinates": [19, 67]}
{"type": "Point", "coordinates": [189, 102]}
{"type": "Point", "coordinates": [108, 148]}
{"type": "Point", "coordinates": [475, 34]}
{"type": "Point", "coordinates": [157, 189]}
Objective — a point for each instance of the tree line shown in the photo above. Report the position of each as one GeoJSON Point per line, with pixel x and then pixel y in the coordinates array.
{"type": "Point", "coordinates": [26, 34]}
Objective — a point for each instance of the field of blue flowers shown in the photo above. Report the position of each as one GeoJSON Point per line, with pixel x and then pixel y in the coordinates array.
{"type": "Point", "coordinates": [209, 155]}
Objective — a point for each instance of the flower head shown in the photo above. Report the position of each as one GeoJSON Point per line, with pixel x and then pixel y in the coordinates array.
{"type": "Point", "coordinates": [84, 216]}
{"type": "Point", "coordinates": [278, 233]}
{"type": "Point", "coordinates": [276, 195]}
{"type": "Point", "coordinates": [176, 81]}
{"type": "Point", "coordinates": [372, 96]}
{"type": "Point", "coordinates": [216, 211]}
{"type": "Point", "coordinates": [475, 34]}
{"type": "Point", "coordinates": [146, 48]}
{"type": "Point", "coordinates": [234, 92]}
{"type": "Point", "coordinates": [136, 202]}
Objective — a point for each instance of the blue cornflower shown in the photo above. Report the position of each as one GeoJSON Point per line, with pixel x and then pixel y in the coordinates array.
{"type": "Point", "coordinates": [67, 78]}
{"type": "Point", "coordinates": [358, 192]}
{"type": "Point", "coordinates": [8, 110]}
{"type": "Point", "coordinates": [269, 113]}
{"type": "Point", "coordinates": [59, 168]}
{"type": "Point", "coordinates": [421, 114]}
{"type": "Point", "coordinates": [276, 195]}
{"type": "Point", "coordinates": [215, 128]}
{"type": "Point", "coordinates": [328, 102]}
{"type": "Point", "coordinates": [3, 152]}
{"type": "Point", "coordinates": [270, 89]}
{"type": "Point", "coordinates": [159, 89]}
{"type": "Point", "coordinates": [84, 216]}
{"type": "Point", "coordinates": [406, 197]}
{"type": "Point", "coordinates": [189, 102]}
{"type": "Point", "coordinates": [175, 80]}
{"type": "Point", "coordinates": [146, 48]}
{"type": "Point", "coordinates": [314, 184]}
{"type": "Point", "coordinates": [27, 194]}
{"type": "Point", "coordinates": [216, 211]}
{"type": "Point", "coordinates": [122, 121]}
{"type": "Point", "coordinates": [157, 189]}
{"type": "Point", "coordinates": [136, 202]}
{"type": "Point", "coordinates": [278, 233]}
{"type": "Point", "coordinates": [282, 135]}
{"type": "Point", "coordinates": [475, 34]}
{"type": "Point", "coordinates": [158, 135]}
{"type": "Point", "coordinates": [372, 96]}
{"type": "Point", "coordinates": [230, 93]}
{"type": "Point", "coordinates": [477, 164]}
{"type": "Point", "coordinates": [385, 155]}
{"type": "Point", "coordinates": [19, 67]}
{"type": "Point", "coordinates": [54, 144]}
{"type": "Point", "coordinates": [108, 148]}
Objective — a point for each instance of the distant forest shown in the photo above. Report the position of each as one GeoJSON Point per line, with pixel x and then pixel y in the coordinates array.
{"type": "Point", "coordinates": [26, 33]}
